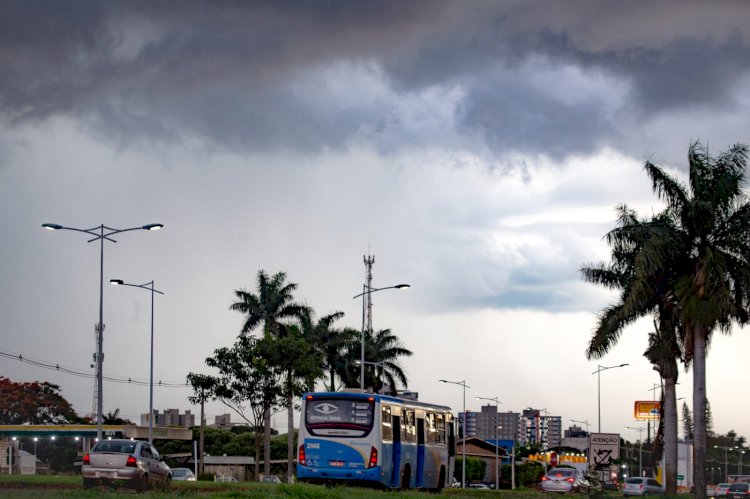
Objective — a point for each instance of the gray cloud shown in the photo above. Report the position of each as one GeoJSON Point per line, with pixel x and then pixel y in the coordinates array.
{"type": "Point", "coordinates": [234, 74]}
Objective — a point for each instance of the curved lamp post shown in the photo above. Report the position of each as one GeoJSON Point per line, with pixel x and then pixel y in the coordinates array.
{"type": "Point", "coordinates": [497, 439]}
{"type": "Point", "coordinates": [100, 233]}
{"type": "Point", "coordinates": [149, 286]}
{"type": "Point", "coordinates": [366, 291]}
{"type": "Point", "coordinates": [463, 425]}
{"type": "Point", "coordinates": [599, 389]}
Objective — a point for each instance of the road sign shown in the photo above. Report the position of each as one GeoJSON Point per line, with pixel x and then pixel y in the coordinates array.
{"type": "Point", "coordinates": [680, 477]}
{"type": "Point", "coordinates": [646, 410]}
{"type": "Point", "coordinates": [604, 448]}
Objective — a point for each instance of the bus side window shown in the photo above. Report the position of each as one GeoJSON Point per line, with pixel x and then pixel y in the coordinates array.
{"type": "Point", "coordinates": [386, 424]}
{"type": "Point", "coordinates": [411, 430]}
{"type": "Point", "coordinates": [404, 425]}
{"type": "Point", "coordinates": [439, 429]}
{"type": "Point", "coordinates": [451, 437]}
{"type": "Point", "coordinates": [429, 422]}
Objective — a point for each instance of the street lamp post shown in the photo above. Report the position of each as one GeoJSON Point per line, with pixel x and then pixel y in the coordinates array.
{"type": "Point", "coordinates": [599, 388]}
{"type": "Point", "coordinates": [149, 286]}
{"type": "Point", "coordinates": [741, 452]}
{"type": "Point", "coordinates": [582, 422]}
{"type": "Point", "coordinates": [497, 440]}
{"type": "Point", "coordinates": [726, 461]}
{"type": "Point", "coordinates": [366, 291]}
{"type": "Point", "coordinates": [463, 425]}
{"type": "Point", "coordinates": [100, 233]}
{"type": "Point", "coordinates": [640, 431]}
{"type": "Point", "coordinates": [376, 364]}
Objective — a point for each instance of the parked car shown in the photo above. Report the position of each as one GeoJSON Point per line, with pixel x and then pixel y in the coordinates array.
{"type": "Point", "coordinates": [224, 478]}
{"type": "Point", "coordinates": [722, 489]}
{"type": "Point", "coordinates": [479, 486]}
{"type": "Point", "coordinates": [564, 480]}
{"type": "Point", "coordinates": [183, 474]}
{"type": "Point", "coordinates": [136, 464]}
{"type": "Point", "coordinates": [270, 479]}
{"type": "Point", "coordinates": [642, 486]}
{"type": "Point", "coordinates": [738, 490]}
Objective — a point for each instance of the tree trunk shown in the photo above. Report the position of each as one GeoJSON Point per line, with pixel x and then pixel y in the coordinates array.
{"type": "Point", "coordinates": [699, 411]}
{"type": "Point", "coordinates": [290, 439]}
{"type": "Point", "coordinates": [670, 436]}
{"type": "Point", "coordinates": [201, 468]}
{"type": "Point", "coordinates": [256, 469]}
{"type": "Point", "coordinates": [267, 440]}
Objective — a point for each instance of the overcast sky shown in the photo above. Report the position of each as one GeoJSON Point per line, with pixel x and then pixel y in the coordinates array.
{"type": "Point", "coordinates": [477, 149]}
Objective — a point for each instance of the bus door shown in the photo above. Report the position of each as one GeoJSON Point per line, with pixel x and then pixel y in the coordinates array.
{"type": "Point", "coordinates": [420, 451]}
{"type": "Point", "coordinates": [396, 466]}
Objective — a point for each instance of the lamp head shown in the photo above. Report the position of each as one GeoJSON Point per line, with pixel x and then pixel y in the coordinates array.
{"type": "Point", "coordinates": [52, 226]}
{"type": "Point", "coordinates": [402, 286]}
{"type": "Point", "coordinates": [153, 226]}
{"type": "Point", "coordinates": [116, 282]}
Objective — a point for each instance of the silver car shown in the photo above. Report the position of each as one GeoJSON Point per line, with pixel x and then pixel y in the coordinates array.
{"type": "Point", "coordinates": [131, 462]}
{"type": "Point", "coordinates": [642, 486]}
{"type": "Point", "coordinates": [183, 474]}
{"type": "Point", "coordinates": [564, 480]}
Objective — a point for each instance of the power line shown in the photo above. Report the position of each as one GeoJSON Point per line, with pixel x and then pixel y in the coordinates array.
{"type": "Point", "coordinates": [83, 374]}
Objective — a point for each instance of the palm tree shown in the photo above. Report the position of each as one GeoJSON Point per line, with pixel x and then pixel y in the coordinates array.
{"type": "Point", "coordinates": [382, 351]}
{"type": "Point", "coordinates": [204, 387]}
{"type": "Point", "coordinates": [272, 304]}
{"type": "Point", "coordinates": [643, 291]}
{"type": "Point", "coordinates": [327, 340]}
{"type": "Point", "coordinates": [711, 236]}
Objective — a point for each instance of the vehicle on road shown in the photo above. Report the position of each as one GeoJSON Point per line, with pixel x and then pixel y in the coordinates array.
{"type": "Point", "coordinates": [270, 479]}
{"type": "Point", "coordinates": [642, 486]}
{"type": "Point", "coordinates": [722, 489]}
{"type": "Point", "coordinates": [738, 490]}
{"type": "Point", "coordinates": [224, 478]}
{"type": "Point", "coordinates": [183, 474]}
{"type": "Point", "coordinates": [564, 480]}
{"type": "Point", "coordinates": [135, 463]}
{"type": "Point", "coordinates": [372, 439]}
{"type": "Point", "coordinates": [479, 486]}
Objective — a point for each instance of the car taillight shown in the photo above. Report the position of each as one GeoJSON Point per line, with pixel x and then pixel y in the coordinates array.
{"type": "Point", "coordinates": [373, 458]}
{"type": "Point", "coordinates": [301, 456]}
{"type": "Point", "coordinates": [131, 461]}
{"type": "Point", "coordinates": [544, 478]}
{"type": "Point", "coordinates": [571, 480]}
{"type": "Point", "coordinates": [87, 459]}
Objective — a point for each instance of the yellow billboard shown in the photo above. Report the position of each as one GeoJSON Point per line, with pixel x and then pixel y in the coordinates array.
{"type": "Point", "coordinates": [646, 410]}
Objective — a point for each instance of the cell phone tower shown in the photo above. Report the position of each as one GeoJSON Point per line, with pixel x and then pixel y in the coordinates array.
{"type": "Point", "coordinates": [369, 261]}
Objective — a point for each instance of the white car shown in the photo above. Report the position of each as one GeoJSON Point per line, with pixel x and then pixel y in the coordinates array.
{"type": "Point", "coordinates": [564, 480]}
{"type": "Point", "coordinates": [642, 486]}
{"type": "Point", "coordinates": [722, 489]}
{"type": "Point", "coordinates": [183, 474]}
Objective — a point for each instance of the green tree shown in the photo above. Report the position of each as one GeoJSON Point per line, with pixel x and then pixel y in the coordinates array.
{"type": "Point", "coordinates": [706, 247]}
{"type": "Point", "coordinates": [273, 303]}
{"type": "Point", "coordinates": [114, 418]}
{"type": "Point", "coordinates": [327, 340]}
{"type": "Point", "coordinates": [250, 384]}
{"type": "Point", "coordinates": [33, 403]}
{"type": "Point", "coordinates": [687, 422]}
{"type": "Point", "coordinates": [204, 388]}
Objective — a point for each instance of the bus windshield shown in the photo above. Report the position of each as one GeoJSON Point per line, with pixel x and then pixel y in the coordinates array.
{"type": "Point", "coordinates": [339, 416]}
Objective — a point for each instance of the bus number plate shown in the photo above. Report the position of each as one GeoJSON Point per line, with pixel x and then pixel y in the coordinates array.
{"type": "Point", "coordinates": [336, 463]}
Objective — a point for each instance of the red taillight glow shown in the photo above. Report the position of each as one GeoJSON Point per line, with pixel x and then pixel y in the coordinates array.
{"type": "Point", "coordinates": [571, 480]}
{"type": "Point", "coordinates": [301, 456]}
{"type": "Point", "coordinates": [544, 478]}
{"type": "Point", "coordinates": [132, 461]}
{"type": "Point", "coordinates": [87, 459]}
{"type": "Point", "coordinates": [373, 458]}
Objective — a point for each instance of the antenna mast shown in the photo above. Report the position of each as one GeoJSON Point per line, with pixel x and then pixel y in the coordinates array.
{"type": "Point", "coordinates": [369, 261]}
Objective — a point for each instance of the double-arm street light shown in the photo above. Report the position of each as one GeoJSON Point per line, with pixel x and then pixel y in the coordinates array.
{"type": "Point", "coordinates": [581, 422]}
{"type": "Point", "coordinates": [726, 461]}
{"type": "Point", "coordinates": [598, 373]}
{"type": "Point", "coordinates": [100, 233]}
{"type": "Point", "coordinates": [463, 425]}
{"type": "Point", "coordinates": [149, 286]}
{"type": "Point", "coordinates": [497, 439]}
{"type": "Point", "coordinates": [367, 291]}
{"type": "Point", "coordinates": [640, 431]}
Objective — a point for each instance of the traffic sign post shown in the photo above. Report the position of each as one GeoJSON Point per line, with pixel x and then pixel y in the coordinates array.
{"type": "Point", "coordinates": [553, 459]}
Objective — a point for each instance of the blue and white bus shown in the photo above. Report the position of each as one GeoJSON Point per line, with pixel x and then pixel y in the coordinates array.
{"type": "Point", "coordinates": [377, 440]}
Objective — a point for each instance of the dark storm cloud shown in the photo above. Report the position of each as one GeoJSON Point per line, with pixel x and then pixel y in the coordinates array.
{"type": "Point", "coordinates": [235, 73]}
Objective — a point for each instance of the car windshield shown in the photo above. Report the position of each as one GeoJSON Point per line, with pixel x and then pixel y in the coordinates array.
{"type": "Point", "coordinates": [179, 472]}
{"type": "Point", "coordinates": [115, 446]}
{"type": "Point", "coordinates": [636, 481]}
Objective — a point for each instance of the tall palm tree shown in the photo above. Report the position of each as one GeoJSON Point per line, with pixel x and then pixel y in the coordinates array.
{"type": "Point", "coordinates": [204, 387]}
{"type": "Point", "coordinates": [272, 304]}
{"type": "Point", "coordinates": [643, 291]}
{"type": "Point", "coordinates": [711, 236]}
